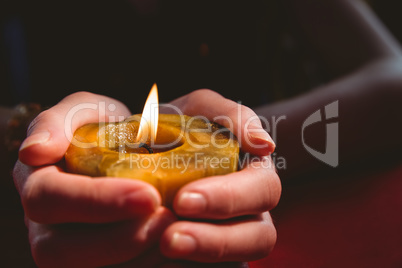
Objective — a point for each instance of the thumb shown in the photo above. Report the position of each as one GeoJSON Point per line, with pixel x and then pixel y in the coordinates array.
{"type": "Point", "coordinates": [50, 133]}
{"type": "Point", "coordinates": [239, 119]}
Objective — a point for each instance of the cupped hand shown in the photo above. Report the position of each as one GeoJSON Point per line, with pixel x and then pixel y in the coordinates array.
{"type": "Point", "coordinates": [73, 220]}
{"type": "Point", "coordinates": [76, 221]}
{"type": "Point", "coordinates": [227, 216]}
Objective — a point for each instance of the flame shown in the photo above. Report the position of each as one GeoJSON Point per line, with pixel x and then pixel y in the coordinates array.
{"type": "Point", "coordinates": [149, 118]}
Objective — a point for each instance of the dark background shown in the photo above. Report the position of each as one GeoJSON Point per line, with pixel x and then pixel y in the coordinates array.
{"type": "Point", "coordinates": [251, 52]}
{"type": "Point", "coordinates": [248, 51]}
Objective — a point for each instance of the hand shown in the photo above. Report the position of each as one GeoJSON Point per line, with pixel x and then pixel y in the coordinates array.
{"type": "Point", "coordinates": [74, 220]}
{"type": "Point", "coordinates": [55, 243]}
{"type": "Point", "coordinates": [229, 214]}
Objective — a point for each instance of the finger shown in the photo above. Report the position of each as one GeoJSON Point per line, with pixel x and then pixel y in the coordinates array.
{"type": "Point", "coordinates": [50, 132]}
{"type": "Point", "coordinates": [244, 240]}
{"type": "Point", "coordinates": [241, 120]}
{"type": "Point", "coordinates": [253, 190]}
{"type": "Point", "coordinates": [96, 245]}
{"type": "Point", "coordinates": [51, 196]}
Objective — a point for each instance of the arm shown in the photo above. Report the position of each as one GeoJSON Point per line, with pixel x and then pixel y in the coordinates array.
{"type": "Point", "coordinates": [345, 33]}
{"type": "Point", "coordinates": [353, 43]}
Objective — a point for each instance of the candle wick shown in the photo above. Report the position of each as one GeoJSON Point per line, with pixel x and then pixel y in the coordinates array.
{"type": "Point", "coordinates": [146, 146]}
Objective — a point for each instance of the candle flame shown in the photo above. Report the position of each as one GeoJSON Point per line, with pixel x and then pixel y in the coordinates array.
{"type": "Point", "coordinates": [149, 118]}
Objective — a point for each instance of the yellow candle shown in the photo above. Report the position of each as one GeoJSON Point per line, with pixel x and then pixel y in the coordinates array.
{"type": "Point", "coordinates": [184, 149]}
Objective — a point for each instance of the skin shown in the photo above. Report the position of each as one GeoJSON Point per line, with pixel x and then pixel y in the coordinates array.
{"type": "Point", "coordinates": [76, 221]}
{"type": "Point", "coordinates": [365, 62]}
{"type": "Point", "coordinates": [365, 76]}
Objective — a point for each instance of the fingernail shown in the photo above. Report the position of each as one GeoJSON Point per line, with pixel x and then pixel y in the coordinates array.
{"type": "Point", "coordinates": [257, 135]}
{"type": "Point", "coordinates": [182, 244]}
{"type": "Point", "coordinates": [191, 203]}
{"type": "Point", "coordinates": [37, 138]}
{"type": "Point", "coordinates": [142, 201]}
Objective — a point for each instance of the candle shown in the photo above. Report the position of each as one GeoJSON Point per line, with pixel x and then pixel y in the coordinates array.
{"type": "Point", "coordinates": [165, 150]}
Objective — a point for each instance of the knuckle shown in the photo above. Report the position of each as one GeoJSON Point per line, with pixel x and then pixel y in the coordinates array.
{"type": "Point", "coordinates": [265, 250]}
{"type": "Point", "coordinates": [275, 190]}
{"type": "Point", "coordinates": [40, 253]}
{"type": "Point", "coordinates": [39, 118]}
{"type": "Point", "coordinates": [223, 249]}
{"type": "Point", "coordinates": [204, 91]}
{"type": "Point", "coordinates": [43, 250]}
{"type": "Point", "coordinates": [271, 239]}
{"type": "Point", "coordinates": [234, 108]}
{"type": "Point", "coordinates": [268, 236]}
{"type": "Point", "coordinates": [227, 205]}
{"type": "Point", "coordinates": [31, 199]}
{"type": "Point", "coordinates": [18, 175]}
{"type": "Point", "coordinates": [272, 187]}
{"type": "Point", "coordinates": [81, 95]}
{"type": "Point", "coordinates": [198, 95]}
{"type": "Point", "coordinates": [247, 110]}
